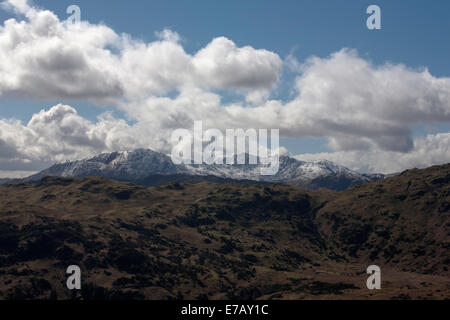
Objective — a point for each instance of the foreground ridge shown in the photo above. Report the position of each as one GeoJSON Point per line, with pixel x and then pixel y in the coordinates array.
{"type": "Point", "coordinates": [226, 241]}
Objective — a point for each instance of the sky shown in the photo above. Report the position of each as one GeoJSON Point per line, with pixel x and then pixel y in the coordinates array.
{"type": "Point", "coordinates": [134, 71]}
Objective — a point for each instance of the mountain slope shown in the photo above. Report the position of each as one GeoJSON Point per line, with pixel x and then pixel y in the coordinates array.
{"type": "Point", "coordinates": [141, 165]}
{"type": "Point", "coordinates": [116, 165]}
{"type": "Point", "coordinates": [402, 220]}
{"type": "Point", "coordinates": [227, 241]}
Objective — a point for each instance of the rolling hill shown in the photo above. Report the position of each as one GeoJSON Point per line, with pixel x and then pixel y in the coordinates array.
{"type": "Point", "coordinates": [226, 241]}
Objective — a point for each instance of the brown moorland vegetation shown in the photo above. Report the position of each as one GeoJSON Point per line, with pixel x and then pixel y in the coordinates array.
{"type": "Point", "coordinates": [226, 241]}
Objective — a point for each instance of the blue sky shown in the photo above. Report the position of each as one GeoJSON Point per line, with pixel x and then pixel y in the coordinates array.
{"type": "Point", "coordinates": [414, 33]}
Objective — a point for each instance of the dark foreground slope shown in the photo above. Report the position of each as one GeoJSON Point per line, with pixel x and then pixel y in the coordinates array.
{"type": "Point", "coordinates": [226, 241]}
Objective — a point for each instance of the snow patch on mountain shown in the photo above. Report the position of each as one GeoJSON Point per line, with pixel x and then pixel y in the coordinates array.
{"type": "Point", "coordinates": [135, 165]}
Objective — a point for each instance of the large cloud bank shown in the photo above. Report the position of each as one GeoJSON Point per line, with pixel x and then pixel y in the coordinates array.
{"type": "Point", "coordinates": [365, 111]}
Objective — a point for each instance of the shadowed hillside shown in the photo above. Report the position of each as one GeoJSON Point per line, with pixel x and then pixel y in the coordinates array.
{"type": "Point", "coordinates": [226, 241]}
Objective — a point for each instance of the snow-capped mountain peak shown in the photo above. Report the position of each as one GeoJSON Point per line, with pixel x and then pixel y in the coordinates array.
{"type": "Point", "coordinates": [139, 164]}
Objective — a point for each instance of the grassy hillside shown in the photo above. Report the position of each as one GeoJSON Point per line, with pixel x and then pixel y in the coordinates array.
{"type": "Point", "coordinates": [226, 241]}
{"type": "Point", "coordinates": [401, 221]}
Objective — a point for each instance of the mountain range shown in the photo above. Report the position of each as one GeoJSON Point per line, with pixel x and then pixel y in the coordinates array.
{"type": "Point", "coordinates": [150, 168]}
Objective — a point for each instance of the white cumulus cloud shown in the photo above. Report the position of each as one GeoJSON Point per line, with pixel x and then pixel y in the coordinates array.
{"type": "Point", "coordinates": [60, 134]}
{"type": "Point", "coordinates": [42, 57]}
{"type": "Point", "coordinates": [426, 151]}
